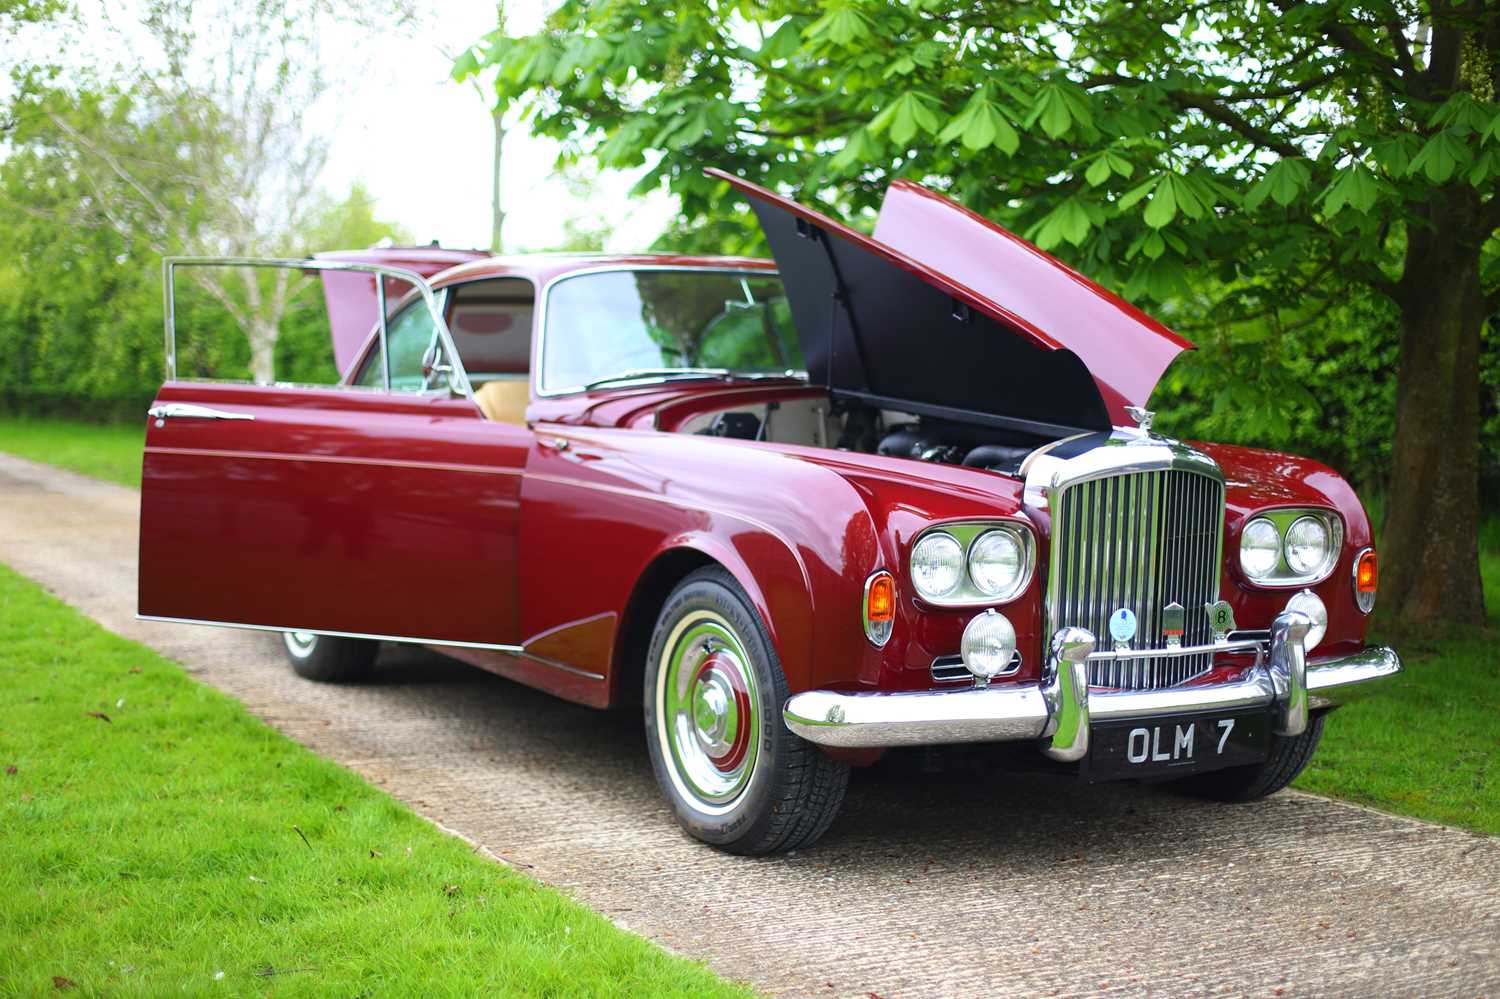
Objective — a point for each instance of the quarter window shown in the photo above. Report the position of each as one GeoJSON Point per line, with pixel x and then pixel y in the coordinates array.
{"type": "Point", "coordinates": [408, 335]}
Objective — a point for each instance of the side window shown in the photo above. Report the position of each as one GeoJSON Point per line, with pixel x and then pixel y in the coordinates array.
{"type": "Point", "coordinates": [408, 335]}
{"type": "Point", "coordinates": [491, 326]}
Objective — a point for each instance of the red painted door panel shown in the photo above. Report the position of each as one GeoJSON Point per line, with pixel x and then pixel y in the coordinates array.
{"type": "Point", "coordinates": [333, 510]}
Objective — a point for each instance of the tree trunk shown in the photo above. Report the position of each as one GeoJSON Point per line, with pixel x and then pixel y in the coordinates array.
{"type": "Point", "coordinates": [1430, 543]}
{"type": "Point", "coordinates": [262, 333]}
{"type": "Point", "coordinates": [497, 218]}
{"type": "Point", "coordinates": [497, 213]}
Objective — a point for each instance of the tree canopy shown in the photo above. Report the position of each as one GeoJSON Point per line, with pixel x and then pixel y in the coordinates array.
{"type": "Point", "coordinates": [1246, 168]}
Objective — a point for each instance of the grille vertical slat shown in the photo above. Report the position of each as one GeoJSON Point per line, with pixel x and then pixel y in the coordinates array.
{"type": "Point", "coordinates": [1139, 540]}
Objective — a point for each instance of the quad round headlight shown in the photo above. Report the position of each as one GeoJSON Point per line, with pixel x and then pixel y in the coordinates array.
{"type": "Point", "coordinates": [1311, 604]}
{"type": "Point", "coordinates": [937, 565]}
{"type": "Point", "coordinates": [1307, 546]}
{"type": "Point", "coordinates": [997, 563]}
{"type": "Point", "coordinates": [1260, 548]}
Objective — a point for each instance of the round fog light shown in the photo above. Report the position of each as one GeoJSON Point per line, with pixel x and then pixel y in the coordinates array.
{"type": "Point", "coordinates": [988, 647]}
{"type": "Point", "coordinates": [1311, 604]}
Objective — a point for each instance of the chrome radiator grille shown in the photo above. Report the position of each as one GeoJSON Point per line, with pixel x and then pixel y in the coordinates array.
{"type": "Point", "coordinates": [1140, 540]}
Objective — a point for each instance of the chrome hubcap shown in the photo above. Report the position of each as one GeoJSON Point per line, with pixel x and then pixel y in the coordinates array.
{"type": "Point", "coordinates": [706, 710]}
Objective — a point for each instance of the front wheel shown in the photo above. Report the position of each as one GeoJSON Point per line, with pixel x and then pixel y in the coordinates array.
{"type": "Point", "coordinates": [328, 659]}
{"type": "Point", "coordinates": [1288, 757]}
{"type": "Point", "coordinates": [735, 776]}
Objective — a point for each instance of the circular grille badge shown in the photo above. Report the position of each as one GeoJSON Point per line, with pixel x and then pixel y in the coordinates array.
{"type": "Point", "coordinates": [1122, 625]}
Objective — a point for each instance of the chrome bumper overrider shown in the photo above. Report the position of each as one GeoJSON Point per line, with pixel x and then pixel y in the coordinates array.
{"type": "Point", "coordinates": [1060, 708]}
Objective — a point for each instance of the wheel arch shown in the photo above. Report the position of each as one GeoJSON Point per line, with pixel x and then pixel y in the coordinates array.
{"type": "Point", "coordinates": [668, 567]}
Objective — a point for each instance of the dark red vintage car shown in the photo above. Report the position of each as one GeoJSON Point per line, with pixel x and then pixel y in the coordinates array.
{"type": "Point", "coordinates": [887, 491]}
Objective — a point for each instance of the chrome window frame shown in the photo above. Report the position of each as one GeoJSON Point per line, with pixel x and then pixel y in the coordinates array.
{"type": "Point", "coordinates": [544, 299]}
{"type": "Point", "coordinates": [451, 291]}
{"type": "Point", "coordinates": [440, 295]}
{"type": "Point", "coordinates": [459, 378]}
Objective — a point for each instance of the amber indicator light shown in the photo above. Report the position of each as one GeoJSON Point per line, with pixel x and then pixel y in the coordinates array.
{"type": "Point", "coordinates": [881, 604]}
{"type": "Point", "coordinates": [1366, 574]}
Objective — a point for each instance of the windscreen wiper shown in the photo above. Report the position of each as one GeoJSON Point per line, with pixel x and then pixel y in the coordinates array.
{"type": "Point", "coordinates": [651, 373]}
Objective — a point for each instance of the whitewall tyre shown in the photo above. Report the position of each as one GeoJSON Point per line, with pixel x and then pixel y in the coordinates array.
{"type": "Point", "coordinates": [735, 776]}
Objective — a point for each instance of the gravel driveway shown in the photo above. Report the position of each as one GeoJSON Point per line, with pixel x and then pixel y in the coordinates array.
{"type": "Point", "coordinates": [947, 883]}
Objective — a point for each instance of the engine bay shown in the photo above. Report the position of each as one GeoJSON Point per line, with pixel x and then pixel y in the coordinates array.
{"type": "Point", "coordinates": [846, 426]}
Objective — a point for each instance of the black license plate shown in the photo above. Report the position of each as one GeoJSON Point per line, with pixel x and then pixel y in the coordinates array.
{"type": "Point", "coordinates": [1176, 746]}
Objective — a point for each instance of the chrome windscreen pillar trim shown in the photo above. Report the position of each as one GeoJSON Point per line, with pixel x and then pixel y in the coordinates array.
{"type": "Point", "coordinates": [1288, 669]}
{"type": "Point", "coordinates": [1066, 689]}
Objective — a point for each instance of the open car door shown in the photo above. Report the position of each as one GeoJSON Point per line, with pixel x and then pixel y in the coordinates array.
{"type": "Point", "coordinates": [386, 509]}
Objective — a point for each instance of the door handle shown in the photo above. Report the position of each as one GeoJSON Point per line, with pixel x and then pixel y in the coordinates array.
{"type": "Point", "coordinates": [186, 410]}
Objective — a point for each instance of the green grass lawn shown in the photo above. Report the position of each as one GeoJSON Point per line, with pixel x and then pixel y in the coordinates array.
{"type": "Point", "coordinates": [1426, 743]}
{"type": "Point", "coordinates": [159, 839]}
{"type": "Point", "coordinates": [107, 451]}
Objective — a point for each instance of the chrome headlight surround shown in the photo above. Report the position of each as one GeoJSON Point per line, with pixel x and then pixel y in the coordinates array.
{"type": "Point", "coordinates": [1283, 574]}
{"type": "Point", "coordinates": [968, 535]}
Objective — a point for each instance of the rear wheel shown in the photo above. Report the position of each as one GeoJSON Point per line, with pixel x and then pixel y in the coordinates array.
{"type": "Point", "coordinates": [327, 659]}
{"type": "Point", "coordinates": [735, 776]}
{"type": "Point", "coordinates": [1288, 757]}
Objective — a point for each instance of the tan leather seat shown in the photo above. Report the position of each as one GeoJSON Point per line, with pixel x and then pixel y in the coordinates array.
{"type": "Point", "coordinates": [504, 401]}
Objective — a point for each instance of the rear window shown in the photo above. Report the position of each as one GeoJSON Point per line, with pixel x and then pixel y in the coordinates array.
{"type": "Point", "coordinates": [491, 326]}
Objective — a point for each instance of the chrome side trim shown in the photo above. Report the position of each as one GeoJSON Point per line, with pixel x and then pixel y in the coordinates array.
{"type": "Point", "coordinates": [334, 459]}
{"type": "Point", "coordinates": [514, 650]}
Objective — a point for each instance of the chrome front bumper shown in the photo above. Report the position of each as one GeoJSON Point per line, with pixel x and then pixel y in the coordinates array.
{"type": "Point", "coordinates": [1060, 708]}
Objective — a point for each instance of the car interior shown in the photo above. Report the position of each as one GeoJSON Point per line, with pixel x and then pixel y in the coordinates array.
{"type": "Point", "coordinates": [491, 326]}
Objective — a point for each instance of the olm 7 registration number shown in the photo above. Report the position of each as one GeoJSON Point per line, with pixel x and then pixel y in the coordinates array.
{"type": "Point", "coordinates": [1162, 747]}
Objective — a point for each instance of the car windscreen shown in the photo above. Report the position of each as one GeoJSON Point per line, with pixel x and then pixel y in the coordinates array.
{"type": "Point", "coordinates": [610, 323]}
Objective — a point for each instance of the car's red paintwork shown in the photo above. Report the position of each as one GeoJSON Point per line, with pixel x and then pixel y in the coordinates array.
{"type": "Point", "coordinates": [1034, 290]}
{"type": "Point", "coordinates": [415, 517]}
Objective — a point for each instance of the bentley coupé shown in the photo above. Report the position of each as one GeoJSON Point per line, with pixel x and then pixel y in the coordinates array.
{"type": "Point", "coordinates": [889, 490]}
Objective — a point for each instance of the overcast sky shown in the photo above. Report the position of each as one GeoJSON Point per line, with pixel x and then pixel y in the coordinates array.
{"type": "Point", "coordinates": [422, 143]}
